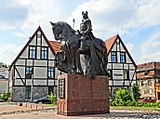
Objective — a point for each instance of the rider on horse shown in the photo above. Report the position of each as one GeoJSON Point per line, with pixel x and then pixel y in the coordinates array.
{"type": "Point", "coordinates": [85, 30]}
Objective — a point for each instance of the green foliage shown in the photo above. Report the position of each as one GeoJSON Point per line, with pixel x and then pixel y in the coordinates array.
{"type": "Point", "coordinates": [5, 95]}
{"type": "Point", "coordinates": [2, 65]}
{"type": "Point", "coordinates": [147, 104]}
{"type": "Point", "coordinates": [122, 97]}
{"type": "Point", "coordinates": [135, 92]}
{"type": "Point", "coordinates": [52, 98]}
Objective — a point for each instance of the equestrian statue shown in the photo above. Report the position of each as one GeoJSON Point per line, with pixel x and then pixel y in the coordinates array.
{"type": "Point", "coordinates": [81, 52]}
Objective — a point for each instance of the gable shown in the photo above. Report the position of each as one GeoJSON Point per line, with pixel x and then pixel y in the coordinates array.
{"type": "Point", "coordinates": [116, 44]}
{"type": "Point", "coordinates": [37, 40]}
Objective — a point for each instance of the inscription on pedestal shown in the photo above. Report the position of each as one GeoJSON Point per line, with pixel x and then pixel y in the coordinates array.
{"type": "Point", "coordinates": [61, 88]}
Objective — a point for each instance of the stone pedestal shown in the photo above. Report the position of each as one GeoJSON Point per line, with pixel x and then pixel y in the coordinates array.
{"type": "Point", "coordinates": [79, 94]}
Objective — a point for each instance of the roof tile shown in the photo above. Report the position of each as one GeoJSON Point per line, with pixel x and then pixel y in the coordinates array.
{"type": "Point", "coordinates": [55, 45]}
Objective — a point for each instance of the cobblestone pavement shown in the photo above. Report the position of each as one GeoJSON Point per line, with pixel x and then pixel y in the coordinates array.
{"type": "Point", "coordinates": [115, 114]}
{"type": "Point", "coordinates": [25, 113]}
{"type": "Point", "coordinates": [10, 107]}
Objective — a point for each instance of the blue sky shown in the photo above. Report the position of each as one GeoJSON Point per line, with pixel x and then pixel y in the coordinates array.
{"type": "Point", "coordinates": [136, 21]}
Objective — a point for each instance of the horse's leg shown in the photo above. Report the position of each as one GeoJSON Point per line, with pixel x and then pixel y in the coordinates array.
{"type": "Point", "coordinates": [78, 64]}
{"type": "Point", "coordinates": [72, 59]}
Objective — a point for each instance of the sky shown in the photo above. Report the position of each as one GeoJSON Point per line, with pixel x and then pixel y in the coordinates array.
{"type": "Point", "coordinates": [136, 21]}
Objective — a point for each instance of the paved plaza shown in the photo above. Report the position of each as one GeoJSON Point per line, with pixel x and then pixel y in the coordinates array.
{"type": "Point", "coordinates": [26, 113]}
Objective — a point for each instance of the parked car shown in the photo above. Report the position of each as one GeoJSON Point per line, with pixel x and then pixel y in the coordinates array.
{"type": "Point", "coordinates": [149, 99]}
{"type": "Point", "coordinates": [43, 100]}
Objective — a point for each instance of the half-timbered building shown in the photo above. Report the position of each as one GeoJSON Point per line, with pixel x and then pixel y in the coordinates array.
{"type": "Point", "coordinates": [148, 79]}
{"type": "Point", "coordinates": [121, 65]}
{"type": "Point", "coordinates": [32, 74]}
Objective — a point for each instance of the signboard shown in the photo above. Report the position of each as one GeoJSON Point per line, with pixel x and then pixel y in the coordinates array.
{"type": "Point", "coordinates": [61, 88]}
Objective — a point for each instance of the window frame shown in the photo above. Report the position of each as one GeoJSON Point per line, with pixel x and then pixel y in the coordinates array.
{"type": "Point", "coordinates": [51, 72]}
{"type": "Point", "coordinates": [32, 52]}
{"type": "Point", "coordinates": [44, 53]}
{"type": "Point", "coordinates": [122, 57]}
{"type": "Point", "coordinates": [29, 72]}
{"type": "Point", "coordinates": [113, 56]}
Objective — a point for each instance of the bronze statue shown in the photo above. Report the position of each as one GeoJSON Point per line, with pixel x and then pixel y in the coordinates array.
{"type": "Point", "coordinates": [81, 53]}
{"type": "Point", "coordinates": [85, 30]}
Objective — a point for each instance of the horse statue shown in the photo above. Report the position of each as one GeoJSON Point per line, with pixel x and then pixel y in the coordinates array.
{"type": "Point", "coordinates": [92, 61]}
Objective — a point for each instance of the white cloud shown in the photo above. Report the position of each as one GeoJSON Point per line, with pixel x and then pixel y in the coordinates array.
{"type": "Point", "coordinates": [108, 17]}
{"type": "Point", "coordinates": [152, 44]}
{"type": "Point", "coordinates": [149, 58]}
{"type": "Point", "coordinates": [111, 17]}
{"type": "Point", "coordinates": [9, 52]}
{"type": "Point", "coordinates": [20, 34]}
{"type": "Point", "coordinates": [5, 26]}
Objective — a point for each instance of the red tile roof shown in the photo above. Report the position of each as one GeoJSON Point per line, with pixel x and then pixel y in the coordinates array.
{"type": "Point", "coordinates": [109, 42]}
{"type": "Point", "coordinates": [55, 45]}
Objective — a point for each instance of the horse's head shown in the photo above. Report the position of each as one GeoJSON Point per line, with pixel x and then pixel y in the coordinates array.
{"type": "Point", "coordinates": [57, 30]}
{"type": "Point", "coordinates": [62, 31]}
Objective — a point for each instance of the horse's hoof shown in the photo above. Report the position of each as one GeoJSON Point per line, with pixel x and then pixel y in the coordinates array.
{"type": "Point", "coordinates": [78, 71]}
{"type": "Point", "coordinates": [81, 50]}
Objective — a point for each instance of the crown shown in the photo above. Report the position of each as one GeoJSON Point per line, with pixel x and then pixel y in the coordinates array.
{"type": "Point", "coordinates": [84, 13]}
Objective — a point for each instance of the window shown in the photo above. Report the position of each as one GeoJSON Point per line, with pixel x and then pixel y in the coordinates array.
{"type": "Point", "coordinates": [126, 74]}
{"type": "Point", "coordinates": [29, 72]}
{"type": "Point", "coordinates": [51, 72]}
{"type": "Point", "coordinates": [122, 57]}
{"type": "Point", "coordinates": [28, 92]}
{"type": "Point", "coordinates": [44, 53]}
{"type": "Point", "coordinates": [32, 52]}
{"type": "Point", "coordinates": [149, 83]}
{"type": "Point", "coordinates": [142, 83]}
{"type": "Point", "coordinates": [150, 91]}
{"type": "Point", "coordinates": [114, 56]}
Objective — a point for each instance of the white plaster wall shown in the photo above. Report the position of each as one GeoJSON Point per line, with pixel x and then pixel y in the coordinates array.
{"type": "Point", "coordinates": [33, 42]}
{"type": "Point", "coordinates": [18, 82]}
{"type": "Point", "coordinates": [40, 82]}
{"type": "Point", "coordinates": [40, 63]}
{"type": "Point", "coordinates": [40, 72]}
{"type": "Point", "coordinates": [25, 53]}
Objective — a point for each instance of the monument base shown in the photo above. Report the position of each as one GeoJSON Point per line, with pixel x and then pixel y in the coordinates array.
{"type": "Point", "coordinates": [83, 95]}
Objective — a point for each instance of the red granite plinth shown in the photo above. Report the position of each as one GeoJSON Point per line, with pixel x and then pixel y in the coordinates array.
{"type": "Point", "coordinates": [84, 95]}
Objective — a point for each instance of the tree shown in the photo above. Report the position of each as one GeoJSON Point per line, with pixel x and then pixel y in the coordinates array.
{"type": "Point", "coordinates": [2, 65]}
{"type": "Point", "coordinates": [135, 92]}
{"type": "Point", "coordinates": [122, 97]}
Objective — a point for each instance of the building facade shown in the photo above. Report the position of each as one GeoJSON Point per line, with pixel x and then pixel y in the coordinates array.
{"type": "Point", "coordinates": [148, 79]}
{"type": "Point", "coordinates": [3, 80]}
{"type": "Point", "coordinates": [121, 65]}
{"type": "Point", "coordinates": [32, 74]}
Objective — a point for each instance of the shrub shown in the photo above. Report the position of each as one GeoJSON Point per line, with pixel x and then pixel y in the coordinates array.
{"type": "Point", "coordinates": [122, 97]}
{"type": "Point", "coordinates": [147, 104]}
{"type": "Point", "coordinates": [52, 98]}
{"type": "Point", "coordinates": [135, 92]}
{"type": "Point", "coordinates": [5, 95]}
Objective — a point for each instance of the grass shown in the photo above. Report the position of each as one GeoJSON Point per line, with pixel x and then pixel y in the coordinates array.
{"type": "Point", "coordinates": [136, 108]}
{"type": "Point", "coordinates": [50, 105]}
